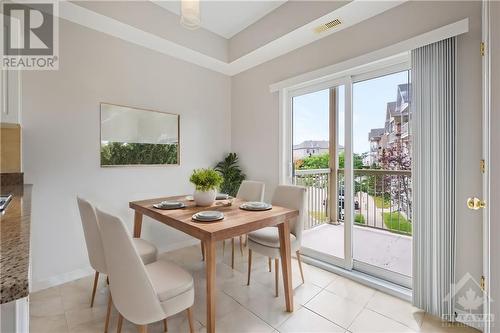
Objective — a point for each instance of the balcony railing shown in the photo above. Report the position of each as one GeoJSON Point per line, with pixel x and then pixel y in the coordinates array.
{"type": "Point", "coordinates": [404, 130]}
{"type": "Point", "coordinates": [317, 182]}
{"type": "Point", "coordinates": [382, 198]}
{"type": "Point", "coordinates": [393, 137]}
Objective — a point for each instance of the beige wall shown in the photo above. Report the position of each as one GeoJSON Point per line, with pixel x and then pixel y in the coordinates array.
{"type": "Point", "coordinates": [61, 140]}
{"type": "Point", "coordinates": [495, 162]}
{"type": "Point", "coordinates": [255, 110]}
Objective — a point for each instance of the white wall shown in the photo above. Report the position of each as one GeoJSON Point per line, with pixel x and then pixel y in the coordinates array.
{"type": "Point", "coordinates": [255, 110]}
{"type": "Point", "coordinates": [61, 139]}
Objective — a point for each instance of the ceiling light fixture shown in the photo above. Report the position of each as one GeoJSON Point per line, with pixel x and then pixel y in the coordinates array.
{"type": "Point", "coordinates": [190, 14]}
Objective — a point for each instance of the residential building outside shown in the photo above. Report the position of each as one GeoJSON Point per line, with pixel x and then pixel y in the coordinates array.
{"type": "Point", "coordinates": [310, 148]}
{"type": "Point", "coordinates": [396, 133]}
{"type": "Point", "coordinates": [375, 137]}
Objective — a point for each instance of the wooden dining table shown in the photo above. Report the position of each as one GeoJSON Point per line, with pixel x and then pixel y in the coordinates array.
{"type": "Point", "coordinates": [236, 222]}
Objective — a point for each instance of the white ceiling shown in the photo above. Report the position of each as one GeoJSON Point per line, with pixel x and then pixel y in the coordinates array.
{"type": "Point", "coordinates": [227, 18]}
{"type": "Point", "coordinates": [352, 13]}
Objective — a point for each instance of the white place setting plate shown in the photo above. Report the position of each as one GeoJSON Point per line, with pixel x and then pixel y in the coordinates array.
{"type": "Point", "coordinates": [169, 205]}
{"type": "Point", "coordinates": [208, 216]}
{"type": "Point", "coordinates": [256, 206]}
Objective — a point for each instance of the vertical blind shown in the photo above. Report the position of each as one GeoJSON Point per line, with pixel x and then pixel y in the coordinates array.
{"type": "Point", "coordinates": [434, 154]}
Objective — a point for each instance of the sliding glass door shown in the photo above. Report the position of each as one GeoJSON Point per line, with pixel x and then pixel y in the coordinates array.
{"type": "Point", "coordinates": [318, 164]}
{"type": "Point", "coordinates": [351, 147]}
{"type": "Point", "coordinates": [382, 243]}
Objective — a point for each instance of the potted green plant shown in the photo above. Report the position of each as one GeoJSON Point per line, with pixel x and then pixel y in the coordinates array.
{"type": "Point", "coordinates": [206, 182]}
{"type": "Point", "coordinates": [231, 173]}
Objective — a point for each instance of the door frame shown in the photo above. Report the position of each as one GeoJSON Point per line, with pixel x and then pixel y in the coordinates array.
{"type": "Point", "coordinates": [379, 272]}
{"type": "Point", "coordinates": [486, 142]}
{"type": "Point", "coordinates": [370, 71]}
{"type": "Point", "coordinates": [287, 178]}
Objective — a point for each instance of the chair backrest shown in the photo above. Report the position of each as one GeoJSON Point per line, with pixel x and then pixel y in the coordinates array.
{"type": "Point", "coordinates": [131, 289]}
{"type": "Point", "coordinates": [293, 197]}
{"type": "Point", "coordinates": [251, 191]}
{"type": "Point", "coordinates": [92, 235]}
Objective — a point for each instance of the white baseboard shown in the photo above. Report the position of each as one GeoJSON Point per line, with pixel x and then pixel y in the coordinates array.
{"type": "Point", "coordinates": [61, 279]}
{"type": "Point", "coordinates": [83, 272]}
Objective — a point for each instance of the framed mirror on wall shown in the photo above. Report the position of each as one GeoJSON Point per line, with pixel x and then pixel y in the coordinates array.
{"type": "Point", "coordinates": [132, 136]}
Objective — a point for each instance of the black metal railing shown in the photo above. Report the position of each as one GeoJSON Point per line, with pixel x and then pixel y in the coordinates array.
{"type": "Point", "coordinates": [382, 198]}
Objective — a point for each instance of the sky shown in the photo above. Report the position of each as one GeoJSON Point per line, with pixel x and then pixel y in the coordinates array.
{"type": "Point", "coordinates": [370, 98]}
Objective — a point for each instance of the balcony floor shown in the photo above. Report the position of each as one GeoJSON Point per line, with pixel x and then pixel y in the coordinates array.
{"type": "Point", "coordinates": [375, 247]}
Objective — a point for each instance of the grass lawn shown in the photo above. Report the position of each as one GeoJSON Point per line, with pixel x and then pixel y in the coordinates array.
{"type": "Point", "coordinates": [380, 202]}
{"type": "Point", "coordinates": [359, 219]}
{"type": "Point", "coordinates": [319, 216]}
{"type": "Point", "coordinates": [392, 223]}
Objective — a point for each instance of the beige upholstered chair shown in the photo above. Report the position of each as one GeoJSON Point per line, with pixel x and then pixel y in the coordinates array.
{"type": "Point", "coordinates": [249, 190]}
{"type": "Point", "coordinates": [147, 251]}
{"type": "Point", "coordinates": [142, 294]}
{"type": "Point", "coordinates": [266, 240]}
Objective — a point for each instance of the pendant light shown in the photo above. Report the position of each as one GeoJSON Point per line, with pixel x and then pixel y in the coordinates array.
{"type": "Point", "coordinates": [190, 14]}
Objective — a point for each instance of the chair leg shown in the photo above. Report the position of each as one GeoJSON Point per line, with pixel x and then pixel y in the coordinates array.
{"type": "Point", "coordinates": [249, 265]}
{"type": "Point", "coordinates": [300, 266]}
{"type": "Point", "coordinates": [143, 328]}
{"type": "Point", "coordinates": [190, 320]}
{"type": "Point", "coordinates": [202, 251]}
{"type": "Point", "coordinates": [232, 253]}
{"type": "Point", "coordinates": [165, 327]}
{"type": "Point", "coordinates": [223, 247]}
{"type": "Point", "coordinates": [96, 279]}
{"type": "Point", "coordinates": [241, 244]}
{"type": "Point", "coordinates": [120, 322]}
{"type": "Point", "coordinates": [276, 276]}
{"type": "Point", "coordinates": [108, 313]}
{"type": "Point", "coordinates": [269, 263]}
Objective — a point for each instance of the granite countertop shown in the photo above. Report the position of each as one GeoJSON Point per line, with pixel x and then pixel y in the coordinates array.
{"type": "Point", "coordinates": [15, 244]}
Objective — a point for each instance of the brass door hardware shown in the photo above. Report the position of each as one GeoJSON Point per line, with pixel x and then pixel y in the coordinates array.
{"type": "Point", "coordinates": [475, 203]}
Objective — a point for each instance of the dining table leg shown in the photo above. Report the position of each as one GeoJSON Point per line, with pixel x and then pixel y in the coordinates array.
{"type": "Point", "coordinates": [137, 224]}
{"type": "Point", "coordinates": [286, 263]}
{"type": "Point", "coordinates": [210, 258]}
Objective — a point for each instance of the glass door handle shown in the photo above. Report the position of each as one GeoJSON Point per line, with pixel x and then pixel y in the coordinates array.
{"type": "Point", "coordinates": [475, 203]}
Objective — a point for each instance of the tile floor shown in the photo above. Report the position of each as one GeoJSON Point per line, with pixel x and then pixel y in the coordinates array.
{"type": "Point", "coordinates": [325, 303]}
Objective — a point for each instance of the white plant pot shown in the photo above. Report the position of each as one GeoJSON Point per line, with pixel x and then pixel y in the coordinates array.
{"type": "Point", "coordinates": [204, 198]}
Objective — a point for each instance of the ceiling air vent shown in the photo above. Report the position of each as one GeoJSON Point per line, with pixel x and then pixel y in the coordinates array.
{"type": "Point", "coordinates": [327, 26]}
